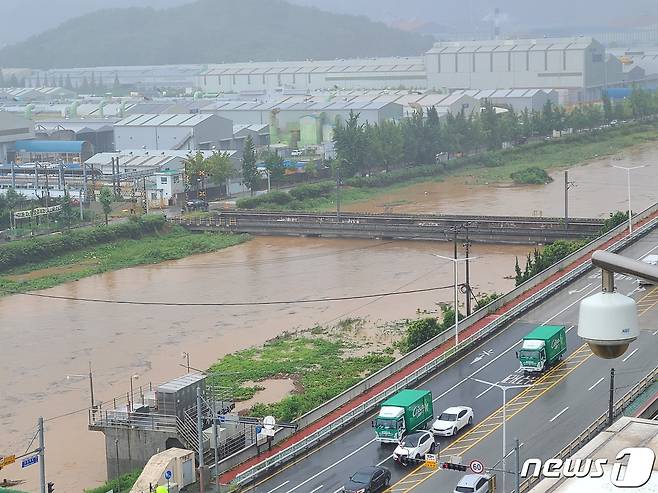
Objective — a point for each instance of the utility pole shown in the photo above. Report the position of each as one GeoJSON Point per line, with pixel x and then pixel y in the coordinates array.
{"type": "Point", "coordinates": [113, 177]}
{"type": "Point", "coordinates": [199, 425]}
{"type": "Point", "coordinates": [567, 185]}
{"type": "Point", "coordinates": [215, 433]}
{"type": "Point", "coordinates": [517, 469]}
{"type": "Point", "coordinates": [611, 404]}
{"type": "Point", "coordinates": [338, 192]}
{"type": "Point", "coordinates": [467, 246]}
{"type": "Point", "coordinates": [91, 389]}
{"type": "Point", "coordinates": [42, 457]}
{"type": "Point", "coordinates": [82, 216]}
{"type": "Point", "coordinates": [146, 200]}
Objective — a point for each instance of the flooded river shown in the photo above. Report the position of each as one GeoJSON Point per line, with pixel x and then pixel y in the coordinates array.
{"type": "Point", "coordinates": [44, 340]}
{"type": "Point", "coordinates": [598, 188]}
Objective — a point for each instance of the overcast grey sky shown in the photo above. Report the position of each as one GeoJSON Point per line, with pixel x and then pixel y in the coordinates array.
{"type": "Point", "coordinates": [23, 19]}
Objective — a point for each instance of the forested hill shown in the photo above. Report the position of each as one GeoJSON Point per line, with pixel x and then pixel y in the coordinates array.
{"type": "Point", "coordinates": [210, 31]}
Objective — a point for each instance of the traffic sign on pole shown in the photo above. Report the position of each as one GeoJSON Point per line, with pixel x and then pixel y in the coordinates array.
{"type": "Point", "coordinates": [476, 466]}
{"type": "Point", "coordinates": [431, 460]}
{"type": "Point", "coordinates": [168, 474]}
{"type": "Point", "coordinates": [28, 461]}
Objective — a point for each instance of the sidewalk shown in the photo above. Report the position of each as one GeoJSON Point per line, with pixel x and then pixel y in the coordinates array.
{"type": "Point", "coordinates": [390, 381]}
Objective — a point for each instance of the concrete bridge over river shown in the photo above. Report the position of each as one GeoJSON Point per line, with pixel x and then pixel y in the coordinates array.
{"type": "Point", "coordinates": [480, 229]}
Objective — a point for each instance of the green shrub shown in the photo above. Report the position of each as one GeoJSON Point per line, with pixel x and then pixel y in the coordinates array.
{"type": "Point", "coordinates": [313, 190]}
{"type": "Point", "coordinates": [276, 197]}
{"type": "Point", "coordinates": [119, 485]}
{"type": "Point", "coordinates": [42, 248]}
{"type": "Point", "coordinates": [531, 176]}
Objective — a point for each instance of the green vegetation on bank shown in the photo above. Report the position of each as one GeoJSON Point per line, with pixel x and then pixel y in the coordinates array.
{"type": "Point", "coordinates": [531, 176]}
{"type": "Point", "coordinates": [119, 485]}
{"type": "Point", "coordinates": [100, 249]}
{"type": "Point", "coordinates": [486, 167]}
{"type": "Point", "coordinates": [41, 248]}
{"type": "Point", "coordinates": [553, 253]}
{"type": "Point", "coordinates": [321, 363]}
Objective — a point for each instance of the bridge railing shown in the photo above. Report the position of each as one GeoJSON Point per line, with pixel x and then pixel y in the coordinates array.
{"type": "Point", "coordinates": [359, 411]}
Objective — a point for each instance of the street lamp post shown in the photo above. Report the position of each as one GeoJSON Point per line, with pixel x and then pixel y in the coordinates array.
{"type": "Point", "coordinates": [504, 389]}
{"type": "Point", "coordinates": [91, 385]}
{"type": "Point", "coordinates": [130, 401]}
{"type": "Point", "coordinates": [186, 355]}
{"type": "Point", "coordinates": [455, 261]}
{"type": "Point", "coordinates": [628, 182]}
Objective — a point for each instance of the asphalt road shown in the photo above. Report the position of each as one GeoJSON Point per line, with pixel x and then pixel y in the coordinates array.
{"type": "Point", "coordinates": [557, 411]}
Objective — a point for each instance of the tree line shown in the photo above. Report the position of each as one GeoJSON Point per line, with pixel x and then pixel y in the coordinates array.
{"type": "Point", "coordinates": [424, 138]}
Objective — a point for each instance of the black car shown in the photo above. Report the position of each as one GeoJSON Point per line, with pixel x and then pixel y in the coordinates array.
{"type": "Point", "coordinates": [368, 480]}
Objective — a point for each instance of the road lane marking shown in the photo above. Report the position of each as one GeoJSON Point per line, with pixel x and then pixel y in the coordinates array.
{"type": "Point", "coordinates": [517, 404]}
{"type": "Point", "coordinates": [558, 414]}
{"type": "Point", "coordinates": [483, 392]}
{"type": "Point", "coordinates": [516, 398]}
{"type": "Point", "coordinates": [280, 486]}
{"type": "Point", "coordinates": [330, 466]}
{"type": "Point", "coordinates": [387, 458]}
{"type": "Point", "coordinates": [573, 291]}
{"type": "Point", "coordinates": [316, 489]}
{"type": "Point", "coordinates": [631, 354]}
{"type": "Point", "coordinates": [596, 383]}
{"type": "Point", "coordinates": [654, 332]}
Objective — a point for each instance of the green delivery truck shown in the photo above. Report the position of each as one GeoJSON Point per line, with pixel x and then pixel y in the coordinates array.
{"type": "Point", "coordinates": [405, 412]}
{"type": "Point", "coordinates": [542, 347]}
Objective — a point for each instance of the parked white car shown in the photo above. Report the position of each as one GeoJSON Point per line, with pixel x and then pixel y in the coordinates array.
{"type": "Point", "coordinates": [452, 420]}
{"type": "Point", "coordinates": [651, 260]}
{"type": "Point", "coordinates": [296, 153]}
{"type": "Point", "coordinates": [414, 446]}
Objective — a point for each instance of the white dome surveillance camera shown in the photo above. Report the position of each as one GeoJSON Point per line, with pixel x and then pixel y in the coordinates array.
{"type": "Point", "coordinates": [609, 323]}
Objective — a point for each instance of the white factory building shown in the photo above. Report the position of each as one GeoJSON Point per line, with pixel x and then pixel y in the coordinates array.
{"type": "Point", "coordinates": [575, 66]}
{"type": "Point", "coordinates": [518, 99]}
{"type": "Point", "coordinates": [172, 131]}
{"type": "Point", "coordinates": [13, 128]}
{"type": "Point", "coordinates": [376, 73]}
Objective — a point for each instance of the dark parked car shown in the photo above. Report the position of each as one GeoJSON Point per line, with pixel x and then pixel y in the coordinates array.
{"type": "Point", "coordinates": [368, 480]}
{"type": "Point", "coordinates": [196, 205]}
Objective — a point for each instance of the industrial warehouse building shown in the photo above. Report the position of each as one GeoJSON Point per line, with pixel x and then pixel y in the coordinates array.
{"type": "Point", "coordinates": [172, 131]}
{"type": "Point", "coordinates": [576, 66]}
{"type": "Point", "coordinates": [377, 73]}
{"type": "Point", "coordinates": [13, 128]}
{"type": "Point", "coordinates": [517, 99]}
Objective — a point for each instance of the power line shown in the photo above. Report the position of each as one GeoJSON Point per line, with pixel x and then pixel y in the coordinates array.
{"type": "Point", "coordinates": [274, 260]}
{"type": "Point", "coordinates": [238, 303]}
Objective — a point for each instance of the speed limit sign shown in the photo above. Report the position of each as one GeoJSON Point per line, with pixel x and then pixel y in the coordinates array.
{"type": "Point", "coordinates": [476, 466]}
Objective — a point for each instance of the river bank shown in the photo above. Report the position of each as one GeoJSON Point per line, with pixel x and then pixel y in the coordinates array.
{"type": "Point", "coordinates": [167, 243]}
{"type": "Point", "coordinates": [491, 168]}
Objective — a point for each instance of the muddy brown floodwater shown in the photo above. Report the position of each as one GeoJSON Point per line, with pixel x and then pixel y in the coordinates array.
{"type": "Point", "coordinates": [599, 188]}
{"type": "Point", "coordinates": [44, 340]}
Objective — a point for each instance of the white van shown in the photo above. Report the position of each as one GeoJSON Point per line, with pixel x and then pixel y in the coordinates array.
{"type": "Point", "coordinates": [653, 260]}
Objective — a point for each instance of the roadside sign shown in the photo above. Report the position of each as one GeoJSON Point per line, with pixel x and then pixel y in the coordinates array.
{"type": "Point", "coordinates": [476, 466]}
{"type": "Point", "coordinates": [168, 474]}
{"type": "Point", "coordinates": [28, 461]}
{"type": "Point", "coordinates": [6, 460]}
{"type": "Point", "coordinates": [431, 461]}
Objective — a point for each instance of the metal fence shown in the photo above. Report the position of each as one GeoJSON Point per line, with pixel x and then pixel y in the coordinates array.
{"type": "Point", "coordinates": [323, 433]}
{"type": "Point", "coordinates": [600, 424]}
